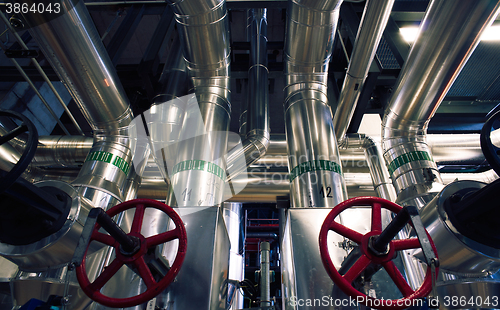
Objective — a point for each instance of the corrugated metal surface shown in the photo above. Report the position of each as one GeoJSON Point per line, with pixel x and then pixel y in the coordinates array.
{"type": "Point", "coordinates": [385, 56]}
{"type": "Point", "coordinates": [479, 77]}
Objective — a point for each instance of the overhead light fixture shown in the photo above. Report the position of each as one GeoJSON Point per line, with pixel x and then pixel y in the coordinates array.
{"type": "Point", "coordinates": [492, 33]}
{"type": "Point", "coordinates": [409, 33]}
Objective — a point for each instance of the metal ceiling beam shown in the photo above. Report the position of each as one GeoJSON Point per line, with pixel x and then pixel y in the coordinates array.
{"type": "Point", "coordinates": [256, 4]}
{"type": "Point", "coordinates": [148, 67]}
{"type": "Point", "coordinates": [410, 6]}
{"type": "Point", "coordinates": [351, 20]}
{"type": "Point", "coordinates": [399, 47]}
{"type": "Point", "coordinates": [364, 99]}
{"type": "Point", "coordinates": [124, 33]}
{"type": "Point", "coordinates": [149, 9]}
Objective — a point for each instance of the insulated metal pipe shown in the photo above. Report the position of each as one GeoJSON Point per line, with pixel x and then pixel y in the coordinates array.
{"type": "Point", "coordinates": [265, 281]}
{"type": "Point", "coordinates": [164, 118]}
{"type": "Point", "coordinates": [42, 73]}
{"type": "Point", "coordinates": [235, 229]}
{"type": "Point", "coordinates": [440, 51]}
{"type": "Point", "coordinates": [375, 161]}
{"type": "Point", "coordinates": [62, 151]}
{"type": "Point", "coordinates": [199, 168]}
{"type": "Point", "coordinates": [73, 47]}
{"type": "Point", "coordinates": [257, 132]}
{"type": "Point", "coordinates": [371, 28]}
{"type": "Point", "coordinates": [447, 149]}
{"type": "Point", "coordinates": [313, 156]}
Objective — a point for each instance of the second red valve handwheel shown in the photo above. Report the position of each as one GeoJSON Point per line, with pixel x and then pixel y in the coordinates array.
{"type": "Point", "coordinates": [135, 260]}
{"type": "Point", "coordinates": [369, 256]}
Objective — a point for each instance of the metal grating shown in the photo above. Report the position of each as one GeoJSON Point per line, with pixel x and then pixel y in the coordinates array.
{"type": "Point", "coordinates": [493, 93]}
{"type": "Point", "coordinates": [385, 56]}
{"type": "Point", "coordinates": [479, 77]}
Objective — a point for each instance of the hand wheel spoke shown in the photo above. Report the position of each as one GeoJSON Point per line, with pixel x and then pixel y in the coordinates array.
{"type": "Point", "coordinates": [144, 272]}
{"type": "Point", "coordinates": [406, 244]}
{"type": "Point", "coordinates": [357, 268]}
{"type": "Point", "coordinates": [162, 238]}
{"type": "Point", "coordinates": [105, 276]}
{"type": "Point", "coordinates": [377, 217]}
{"type": "Point", "coordinates": [346, 232]}
{"type": "Point", "coordinates": [13, 133]}
{"type": "Point", "coordinates": [102, 238]}
{"type": "Point", "coordinates": [398, 278]}
{"type": "Point", "coordinates": [138, 218]}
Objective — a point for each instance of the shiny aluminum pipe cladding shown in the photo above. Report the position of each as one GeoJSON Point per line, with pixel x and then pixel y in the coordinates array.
{"type": "Point", "coordinates": [457, 253]}
{"type": "Point", "coordinates": [62, 151]}
{"type": "Point", "coordinates": [57, 249]}
{"type": "Point", "coordinates": [164, 118]}
{"type": "Point", "coordinates": [256, 117]}
{"type": "Point", "coordinates": [371, 28]}
{"type": "Point", "coordinates": [314, 162]}
{"type": "Point", "coordinates": [208, 63]}
{"type": "Point", "coordinates": [375, 160]}
{"type": "Point", "coordinates": [413, 171]}
{"type": "Point", "coordinates": [435, 60]}
{"type": "Point", "coordinates": [73, 47]}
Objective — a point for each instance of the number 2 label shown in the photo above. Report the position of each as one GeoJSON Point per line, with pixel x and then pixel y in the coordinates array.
{"type": "Point", "coordinates": [326, 192]}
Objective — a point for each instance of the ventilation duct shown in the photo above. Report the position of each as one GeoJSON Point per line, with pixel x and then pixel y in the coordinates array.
{"type": "Point", "coordinates": [73, 47]}
{"type": "Point", "coordinates": [313, 161]}
{"type": "Point", "coordinates": [371, 28]}
{"type": "Point", "coordinates": [435, 60]}
{"type": "Point", "coordinates": [256, 118]}
{"type": "Point", "coordinates": [207, 62]}
{"type": "Point", "coordinates": [316, 180]}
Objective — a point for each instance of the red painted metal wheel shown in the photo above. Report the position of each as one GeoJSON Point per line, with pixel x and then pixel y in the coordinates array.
{"type": "Point", "coordinates": [136, 260]}
{"type": "Point", "coordinates": [344, 282]}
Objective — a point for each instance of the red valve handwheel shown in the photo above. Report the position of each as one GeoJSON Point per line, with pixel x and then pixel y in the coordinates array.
{"type": "Point", "coordinates": [345, 281]}
{"type": "Point", "coordinates": [136, 260]}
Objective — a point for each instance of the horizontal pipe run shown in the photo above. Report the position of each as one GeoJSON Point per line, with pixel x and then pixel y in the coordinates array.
{"type": "Point", "coordinates": [447, 149]}
{"type": "Point", "coordinates": [266, 186]}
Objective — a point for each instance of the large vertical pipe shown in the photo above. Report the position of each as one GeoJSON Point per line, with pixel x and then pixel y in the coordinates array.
{"type": "Point", "coordinates": [165, 116]}
{"type": "Point", "coordinates": [375, 160]}
{"type": "Point", "coordinates": [449, 33]}
{"type": "Point", "coordinates": [257, 132]}
{"type": "Point", "coordinates": [371, 28]}
{"type": "Point", "coordinates": [203, 138]}
{"type": "Point", "coordinates": [235, 229]}
{"type": "Point", "coordinates": [73, 47]}
{"type": "Point", "coordinates": [315, 171]}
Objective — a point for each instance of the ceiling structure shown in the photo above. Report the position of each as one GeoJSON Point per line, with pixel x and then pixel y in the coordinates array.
{"type": "Point", "coordinates": [139, 35]}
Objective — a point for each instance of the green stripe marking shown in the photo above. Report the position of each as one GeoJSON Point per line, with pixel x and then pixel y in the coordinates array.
{"type": "Point", "coordinates": [314, 165]}
{"type": "Point", "coordinates": [408, 158]}
{"type": "Point", "coordinates": [200, 165]}
{"type": "Point", "coordinates": [110, 159]}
